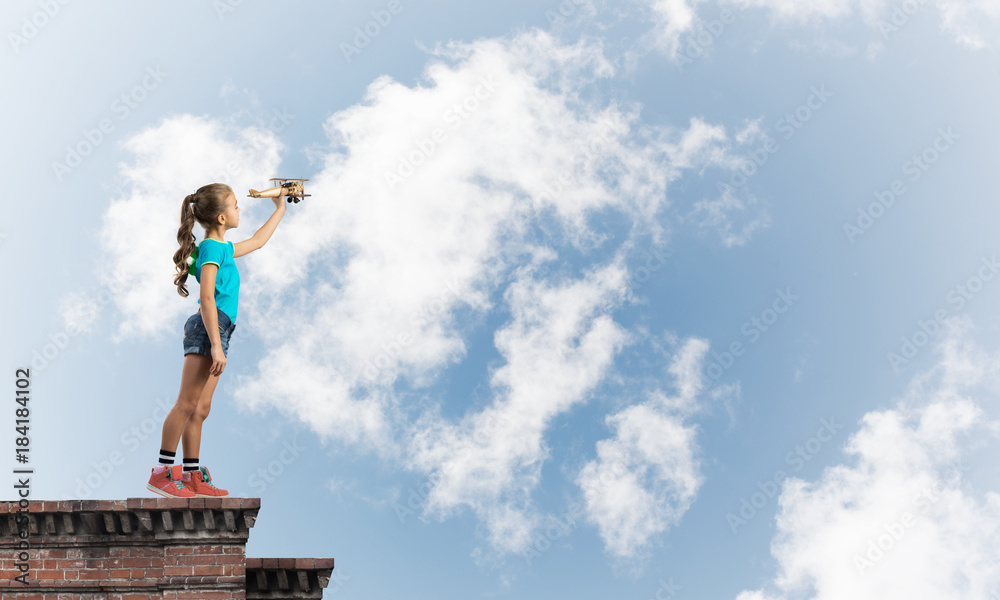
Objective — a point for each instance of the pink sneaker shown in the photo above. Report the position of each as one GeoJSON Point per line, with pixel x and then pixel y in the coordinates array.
{"type": "Point", "coordinates": [200, 482]}
{"type": "Point", "coordinates": [162, 482]}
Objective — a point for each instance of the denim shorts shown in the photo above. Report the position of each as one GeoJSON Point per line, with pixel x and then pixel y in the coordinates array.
{"type": "Point", "coordinates": [196, 336]}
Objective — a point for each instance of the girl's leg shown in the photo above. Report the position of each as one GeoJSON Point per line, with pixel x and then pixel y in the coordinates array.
{"type": "Point", "coordinates": [191, 440]}
{"type": "Point", "coordinates": [194, 378]}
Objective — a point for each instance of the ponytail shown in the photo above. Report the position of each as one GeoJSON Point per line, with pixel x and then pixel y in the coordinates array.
{"type": "Point", "coordinates": [185, 237]}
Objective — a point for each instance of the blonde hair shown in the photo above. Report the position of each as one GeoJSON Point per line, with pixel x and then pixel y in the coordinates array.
{"type": "Point", "coordinates": [204, 206]}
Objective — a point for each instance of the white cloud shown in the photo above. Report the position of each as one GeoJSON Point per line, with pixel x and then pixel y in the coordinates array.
{"type": "Point", "coordinates": [734, 214]}
{"type": "Point", "coordinates": [79, 311]}
{"type": "Point", "coordinates": [904, 520]}
{"type": "Point", "coordinates": [646, 477]}
{"type": "Point", "coordinates": [557, 347]}
{"type": "Point", "coordinates": [972, 23]}
{"type": "Point", "coordinates": [674, 18]}
{"type": "Point", "coordinates": [797, 10]}
{"type": "Point", "coordinates": [723, 213]}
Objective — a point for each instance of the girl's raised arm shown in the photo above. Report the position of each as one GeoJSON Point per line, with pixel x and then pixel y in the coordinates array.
{"type": "Point", "coordinates": [263, 234]}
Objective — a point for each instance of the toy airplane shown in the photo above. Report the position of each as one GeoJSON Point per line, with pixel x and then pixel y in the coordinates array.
{"type": "Point", "coordinates": [293, 189]}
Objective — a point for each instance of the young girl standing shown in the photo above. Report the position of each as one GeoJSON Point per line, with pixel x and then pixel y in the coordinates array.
{"type": "Point", "coordinates": [206, 333]}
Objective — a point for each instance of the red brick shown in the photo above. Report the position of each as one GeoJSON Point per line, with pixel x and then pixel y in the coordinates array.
{"type": "Point", "coordinates": [194, 559]}
{"type": "Point", "coordinates": [171, 503]}
{"type": "Point", "coordinates": [177, 571]}
{"type": "Point", "coordinates": [195, 595]}
{"type": "Point", "coordinates": [136, 562]}
{"type": "Point", "coordinates": [93, 574]}
{"type": "Point", "coordinates": [46, 574]}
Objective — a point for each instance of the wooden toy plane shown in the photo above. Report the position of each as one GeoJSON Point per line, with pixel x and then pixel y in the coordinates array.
{"type": "Point", "coordinates": [295, 191]}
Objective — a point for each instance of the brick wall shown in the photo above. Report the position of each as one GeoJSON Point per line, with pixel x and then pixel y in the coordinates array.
{"type": "Point", "coordinates": [143, 549]}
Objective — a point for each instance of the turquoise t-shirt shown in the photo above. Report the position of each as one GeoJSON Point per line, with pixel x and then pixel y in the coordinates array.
{"type": "Point", "coordinates": [227, 280]}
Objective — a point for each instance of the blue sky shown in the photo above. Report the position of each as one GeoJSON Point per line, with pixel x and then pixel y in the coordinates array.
{"type": "Point", "coordinates": [690, 299]}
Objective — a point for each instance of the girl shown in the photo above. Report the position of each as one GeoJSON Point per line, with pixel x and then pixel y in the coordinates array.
{"type": "Point", "coordinates": [206, 333]}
